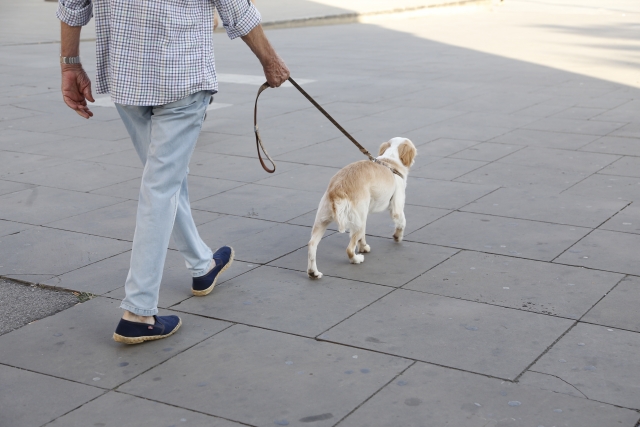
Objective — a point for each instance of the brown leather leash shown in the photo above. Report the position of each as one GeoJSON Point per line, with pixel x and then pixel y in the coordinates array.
{"type": "Point", "coordinates": [259, 144]}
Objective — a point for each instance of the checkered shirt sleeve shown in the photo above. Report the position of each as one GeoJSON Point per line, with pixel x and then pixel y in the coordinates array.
{"type": "Point", "coordinates": [153, 52]}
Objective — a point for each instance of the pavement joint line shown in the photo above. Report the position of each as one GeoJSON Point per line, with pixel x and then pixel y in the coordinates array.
{"type": "Point", "coordinates": [603, 296]}
{"type": "Point", "coordinates": [181, 407]}
{"type": "Point", "coordinates": [105, 391]}
{"type": "Point", "coordinates": [374, 393]}
{"type": "Point", "coordinates": [555, 376]}
{"type": "Point", "coordinates": [517, 378]}
{"type": "Point", "coordinates": [51, 375]}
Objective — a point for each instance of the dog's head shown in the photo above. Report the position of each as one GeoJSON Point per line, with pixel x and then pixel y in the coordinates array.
{"type": "Point", "coordinates": [399, 148]}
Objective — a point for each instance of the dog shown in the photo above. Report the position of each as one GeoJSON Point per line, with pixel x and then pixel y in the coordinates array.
{"type": "Point", "coordinates": [358, 189]}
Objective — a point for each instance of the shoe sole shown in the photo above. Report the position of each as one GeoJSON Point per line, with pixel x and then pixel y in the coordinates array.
{"type": "Point", "coordinates": [138, 340]}
{"type": "Point", "coordinates": [210, 288]}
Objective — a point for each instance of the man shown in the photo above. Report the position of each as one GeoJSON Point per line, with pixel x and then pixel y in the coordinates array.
{"type": "Point", "coordinates": [155, 58]}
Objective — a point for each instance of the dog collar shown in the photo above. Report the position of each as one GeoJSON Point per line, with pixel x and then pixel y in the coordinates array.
{"type": "Point", "coordinates": [392, 169]}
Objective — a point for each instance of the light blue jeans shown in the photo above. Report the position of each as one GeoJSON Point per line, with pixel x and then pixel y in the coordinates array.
{"type": "Point", "coordinates": [164, 137]}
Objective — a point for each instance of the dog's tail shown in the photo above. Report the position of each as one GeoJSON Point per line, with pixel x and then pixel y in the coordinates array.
{"type": "Point", "coordinates": [346, 217]}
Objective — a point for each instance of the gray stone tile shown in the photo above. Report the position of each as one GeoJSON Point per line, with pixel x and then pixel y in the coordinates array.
{"type": "Point", "coordinates": [308, 177]}
{"type": "Point", "coordinates": [10, 227]}
{"type": "Point", "coordinates": [557, 208]}
{"type": "Point", "coordinates": [83, 334]}
{"type": "Point", "coordinates": [451, 131]}
{"type": "Point", "coordinates": [7, 187]}
{"type": "Point", "coordinates": [626, 166]}
{"type": "Point", "coordinates": [614, 145]}
{"type": "Point", "coordinates": [285, 300]}
{"type": "Point", "coordinates": [498, 235]}
{"type": "Point", "coordinates": [15, 165]}
{"type": "Point", "coordinates": [521, 284]}
{"type": "Point", "coordinates": [31, 399]}
{"type": "Point", "coordinates": [608, 187]}
{"type": "Point", "coordinates": [583, 113]}
{"type": "Point", "coordinates": [228, 229]}
{"type": "Point", "coordinates": [632, 130]}
{"type": "Point", "coordinates": [126, 157]}
{"type": "Point", "coordinates": [79, 148]}
{"type": "Point", "coordinates": [336, 153]}
{"type": "Point", "coordinates": [8, 112]}
{"type": "Point", "coordinates": [112, 130]}
{"type": "Point", "coordinates": [499, 102]}
{"type": "Point", "coordinates": [30, 251]}
{"type": "Point", "coordinates": [40, 205]}
{"type": "Point", "coordinates": [549, 382]}
{"type": "Point", "coordinates": [447, 169]}
{"type": "Point", "coordinates": [487, 151]}
{"type": "Point", "coordinates": [445, 147]}
{"type": "Point", "coordinates": [626, 221]}
{"type": "Point", "coordinates": [232, 168]}
{"type": "Point", "coordinates": [619, 309]}
{"type": "Point", "coordinates": [524, 177]}
{"type": "Point", "coordinates": [299, 380]}
{"type": "Point", "coordinates": [271, 244]}
{"type": "Point", "coordinates": [538, 138]}
{"type": "Point", "coordinates": [261, 202]}
{"type": "Point", "coordinates": [409, 260]}
{"type": "Point", "coordinates": [624, 113]}
{"type": "Point", "coordinates": [588, 127]}
{"type": "Point", "coordinates": [565, 160]}
{"type": "Point", "coordinates": [444, 194]}
{"type": "Point", "coordinates": [605, 250]}
{"type": "Point", "coordinates": [435, 396]}
{"type": "Point", "coordinates": [47, 122]}
{"type": "Point", "coordinates": [380, 224]}
{"type": "Point", "coordinates": [477, 118]}
{"type": "Point", "coordinates": [544, 109]}
{"type": "Point", "coordinates": [116, 409]}
{"type": "Point", "coordinates": [79, 175]}
{"type": "Point", "coordinates": [601, 363]}
{"type": "Point", "coordinates": [451, 332]}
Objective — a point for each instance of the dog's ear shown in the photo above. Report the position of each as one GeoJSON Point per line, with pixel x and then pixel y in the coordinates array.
{"type": "Point", "coordinates": [383, 148]}
{"type": "Point", "coordinates": [407, 153]}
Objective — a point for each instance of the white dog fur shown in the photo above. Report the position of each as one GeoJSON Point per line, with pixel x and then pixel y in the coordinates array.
{"type": "Point", "coordinates": [358, 189]}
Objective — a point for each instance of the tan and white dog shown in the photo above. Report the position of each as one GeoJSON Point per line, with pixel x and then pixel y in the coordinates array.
{"type": "Point", "coordinates": [358, 189]}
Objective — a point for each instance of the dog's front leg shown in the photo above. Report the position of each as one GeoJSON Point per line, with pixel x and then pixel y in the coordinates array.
{"type": "Point", "coordinates": [397, 214]}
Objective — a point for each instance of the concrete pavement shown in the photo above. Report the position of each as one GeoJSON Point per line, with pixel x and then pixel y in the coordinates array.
{"type": "Point", "coordinates": [512, 301]}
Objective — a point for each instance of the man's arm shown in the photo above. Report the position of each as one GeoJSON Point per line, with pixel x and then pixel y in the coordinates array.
{"type": "Point", "coordinates": [275, 70]}
{"type": "Point", "coordinates": [76, 86]}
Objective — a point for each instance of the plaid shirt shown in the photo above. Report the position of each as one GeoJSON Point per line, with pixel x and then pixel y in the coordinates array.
{"type": "Point", "coordinates": [152, 52]}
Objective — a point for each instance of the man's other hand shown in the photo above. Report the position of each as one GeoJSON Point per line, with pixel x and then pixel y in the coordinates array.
{"type": "Point", "coordinates": [76, 89]}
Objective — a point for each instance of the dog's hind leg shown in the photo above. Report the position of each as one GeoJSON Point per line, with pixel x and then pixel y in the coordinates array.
{"type": "Point", "coordinates": [323, 219]}
{"type": "Point", "coordinates": [356, 236]}
{"type": "Point", "coordinates": [363, 248]}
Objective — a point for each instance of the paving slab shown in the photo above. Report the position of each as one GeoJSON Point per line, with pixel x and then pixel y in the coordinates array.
{"type": "Point", "coordinates": [525, 177]}
{"type": "Point", "coordinates": [626, 166]}
{"type": "Point", "coordinates": [566, 160]}
{"type": "Point", "coordinates": [444, 147]}
{"type": "Point", "coordinates": [583, 113]}
{"type": "Point", "coordinates": [444, 194]}
{"type": "Point", "coordinates": [562, 208]}
{"type": "Point", "coordinates": [451, 332]}
{"type": "Point", "coordinates": [431, 395]}
{"type": "Point", "coordinates": [285, 300]}
{"type": "Point", "coordinates": [271, 244]}
{"type": "Point", "coordinates": [118, 409]}
{"type": "Point", "coordinates": [447, 169]}
{"type": "Point", "coordinates": [126, 157]}
{"type": "Point", "coordinates": [30, 251]}
{"type": "Point", "coordinates": [261, 377]}
{"type": "Point", "coordinates": [261, 202]}
{"type": "Point", "coordinates": [324, 153]}
{"type": "Point", "coordinates": [487, 151]}
{"type": "Point", "coordinates": [549, 382]}
{"type": "Point", "coordinates": [598, 361]}
{"type": "Point", "coordinates": [233, 168]}
{"type": "Point", "coordinates": [10, 227]}
{"type": "Point", "coordinates": [227, 229]}
{"type": "Point", "coordinates": [632, 130]}
{"type": "Point", "coordinates": [308, 177]}
{"type": "Point", "coordinates": [451, 131]}
{"type": "Point", "coordinates": [78, 148]}
{"type": "Point", "coordinates": [625, 221]}
{"type": "Point", "coordinates": [111, 130]}
{"type": "Point", "coordinates": [7, 187]}
{"type": "Point", "coordinates": [32, 399]}
{"type": "Point", "coordinates": [588, 127]}
{"type": "Point", "coordinates": [605, 250]}
{"type": "Point", "coordinates": [40, 205]}
{"type": "Point", "coordinates": [608, 187]}
{"type": "Point", "coordinates": [517, 283]}
{"type": "Point", "coordinates": [409, 260]}
{"type": "Point", "coordinates": [503, 236]}
{"type": "Point", "coordinates": [83, 334]}
{"type": "Point", "coordinates": [614, 145]}
{"type": "Point", "coordinates": [619, 309]}
{"type": "Point", "coordinates": [539, 138]}
{"type": "Point", "coordinates": [380, 224]}
{"type": "Point", "coordinates": [15, 165]}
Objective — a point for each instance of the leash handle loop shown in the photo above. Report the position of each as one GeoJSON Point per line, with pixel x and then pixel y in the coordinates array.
{"type": "Point", "coordinates": [259, 144]}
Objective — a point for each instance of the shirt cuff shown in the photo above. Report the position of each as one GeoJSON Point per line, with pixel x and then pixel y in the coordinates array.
{"type": "Point", "coordinates": [247, 22]}
{"type": "Point", "coordinates": [75, 13]}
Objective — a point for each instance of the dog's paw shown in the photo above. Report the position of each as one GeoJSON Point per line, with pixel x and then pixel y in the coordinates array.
{"type": "Point", "coordinates": [314, 274]}
{"type": "Point", "coordinates": [357, 259]}
{"type": "Point", "coordinates": [365, 249]}
{"type": "Point", "coordinates": [398, 239]}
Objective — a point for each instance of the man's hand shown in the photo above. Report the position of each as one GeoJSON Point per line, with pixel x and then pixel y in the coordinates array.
{"type": "Point", "coordinates": [76, 89]}
{"type": "Point", "coordinates": [275, 70]}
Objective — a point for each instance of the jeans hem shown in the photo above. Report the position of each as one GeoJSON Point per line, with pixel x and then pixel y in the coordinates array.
{"type": "Point", "coordinates": [139, 311]}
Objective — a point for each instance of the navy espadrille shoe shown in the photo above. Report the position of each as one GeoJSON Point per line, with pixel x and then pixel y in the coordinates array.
{"type": "Point", "coordinates": [203, 285]}
{"type": "Point", "coordinates": [134, 333]}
